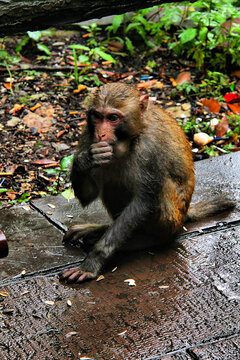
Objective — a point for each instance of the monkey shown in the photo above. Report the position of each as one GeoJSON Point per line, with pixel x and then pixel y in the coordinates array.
{"type": "Point", "coordinates": [137, 159]}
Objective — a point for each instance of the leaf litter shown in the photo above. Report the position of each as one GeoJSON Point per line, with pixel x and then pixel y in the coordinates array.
{"type": "Point", "coordinates": [42, 110]}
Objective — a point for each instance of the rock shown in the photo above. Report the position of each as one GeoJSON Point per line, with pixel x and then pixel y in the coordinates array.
{"type": "Point", "coordinates": [13, 121]}
{"type": "Point", "coordinates": [202, 139]}
{"type": "Point", "coordinates": [60, 146]}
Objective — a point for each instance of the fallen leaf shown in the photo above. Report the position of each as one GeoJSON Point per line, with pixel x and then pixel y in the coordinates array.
{"type": "Point", "coordinates": [49, 302]}
{"type": "Point", "coordinates": [43, 162]}
{"type": "Point", "coordinates": [13, 121]}
{"type": "Point", "coordinates": [79, 89]}
{"type": "Point", "coordinates": [122, 333]}
{"type": "Point", "coordinates": [115, 44]}
{"type": "Point", "coordinates": [26, 207]}
{"type": "Point", "coordinates": [222, 127]}
{"type": "Point", "coordinates": [16, 109]}
{"type": "Point", "coordinates": [11, 195]}
{"type": "Point", "coordinates": [101, 277]}
{"type": "Point", "coordinates": [146, 84]}
{"type": "Point", "coordinates": [8, 86]}
{"type": "Point", "coordinates": [71, 333]}
{"type": "Point", "coordinates": [173, 81]}
{"type": "Point", "coordinates": [212, 105]}
{"type": "Point", "coordinates": [131, 282]}
{"type": "Point", "coordinates": [186, 107]}
{"type": "Point", "coordinates": [3, 293]}
{"type": "Point", "coordinates": [202, 139]}
{"type": "Point", "coordinates": [52, 206]}
{"type": "Point", "coordinates": [183, 77]}
{"type": "Point", "coordinates": [235, 108]}
{"type": "Point", "coordinates": [35, 107]}
{"type": "Point", "coordinates": [232, 97]}
{"type": "Point", "coordinates": [69, 303]}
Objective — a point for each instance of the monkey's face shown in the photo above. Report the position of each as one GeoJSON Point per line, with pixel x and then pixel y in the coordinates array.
{"type": "Point", "coordinates": [103, 123]}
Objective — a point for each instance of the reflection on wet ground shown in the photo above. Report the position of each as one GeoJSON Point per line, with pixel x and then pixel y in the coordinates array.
{"type": "Point", "coordinates": [184, 305]}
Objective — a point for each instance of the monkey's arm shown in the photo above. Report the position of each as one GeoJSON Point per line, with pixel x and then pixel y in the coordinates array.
{"type": "Point", "coordinates": [83, 184]}
{"type": "Point", "coordinates": [134, 215]}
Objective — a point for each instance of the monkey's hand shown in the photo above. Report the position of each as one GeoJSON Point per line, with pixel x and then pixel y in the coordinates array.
{"type": "Point", "coordinates": [101, 153]}
{"type": "Point", "coordinates": [76, 275]}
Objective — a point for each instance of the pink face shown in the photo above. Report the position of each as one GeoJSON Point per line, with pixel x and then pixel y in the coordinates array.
{"type": "Point", "coordinates": [105, 120]}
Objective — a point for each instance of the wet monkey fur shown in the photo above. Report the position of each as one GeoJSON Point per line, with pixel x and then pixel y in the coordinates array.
{"type": "Point", "coordinates": [137, 159]}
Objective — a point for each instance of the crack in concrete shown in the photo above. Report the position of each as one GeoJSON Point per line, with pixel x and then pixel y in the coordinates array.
{"type": "Point", "coordinates": [55, 223]}
{"type": "Point", "coordinates": [188, 349]}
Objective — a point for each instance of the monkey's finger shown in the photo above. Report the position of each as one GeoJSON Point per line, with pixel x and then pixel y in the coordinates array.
{"type": "Point", "coordinates": [99, 150]}
{"type": "Point", "coordinates": [66, 273]}
{"type": "Point", "coordinates": [72, 238]}
{"type": "Point", "coordinates": [75, 276]}
{"type": "Point", "coordinates": [86, 276]}
{"type": "Point", "coordinates": [100, 144]}
{"type": "Point", "coordinates": [102, 156]}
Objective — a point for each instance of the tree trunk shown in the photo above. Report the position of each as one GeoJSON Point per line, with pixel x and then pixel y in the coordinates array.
{"type": "Point", "coordinates": [19, 16]}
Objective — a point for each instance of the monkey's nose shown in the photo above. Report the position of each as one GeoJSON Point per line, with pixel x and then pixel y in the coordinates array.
{"type": "Point", "coordinates": [101, 137]}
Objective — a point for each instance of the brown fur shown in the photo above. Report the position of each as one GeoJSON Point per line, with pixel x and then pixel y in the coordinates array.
{"type": "Point", "coordinates": [146, 184]}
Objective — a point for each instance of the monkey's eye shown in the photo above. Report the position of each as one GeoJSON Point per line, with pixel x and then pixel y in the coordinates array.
{"type": "Point", "coordinates": [113, 117]}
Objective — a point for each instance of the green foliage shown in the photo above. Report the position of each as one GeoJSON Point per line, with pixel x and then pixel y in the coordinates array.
{"type": "Point", "coordinates": [35, 37]}
{"type": "Point", "coordinates": [86, 55]}
{"type": "Point", "coordinates": [66, 162]}
{"type": "Point", "coordinates": [59, 173]}
{"type": "Point", "coordinates": [210, 150]}
{"type": "Point", "coordinates": [211, 86]}
{"type": "Point", "coordinates": [234, 122]}
{"type": "Point", "coordinates": [206, 41]}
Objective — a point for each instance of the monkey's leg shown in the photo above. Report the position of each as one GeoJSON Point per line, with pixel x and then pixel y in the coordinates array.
{"type": "Point", "coordinates": [89, 234]}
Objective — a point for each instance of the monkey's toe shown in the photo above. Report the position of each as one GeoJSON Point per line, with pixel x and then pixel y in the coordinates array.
{"type": "Point", "coordinates": [76, 275]}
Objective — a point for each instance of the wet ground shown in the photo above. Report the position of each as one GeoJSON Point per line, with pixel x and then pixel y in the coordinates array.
{"type": "Point", "coordinates": [185, 304]}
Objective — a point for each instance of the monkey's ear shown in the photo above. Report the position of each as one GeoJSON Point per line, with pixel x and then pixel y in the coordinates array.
{"type": "Point", "coordinates": [143, 101]}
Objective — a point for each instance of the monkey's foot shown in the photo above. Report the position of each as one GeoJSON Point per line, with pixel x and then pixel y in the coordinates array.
{"type": "Point", "coordinates": [76, 275]}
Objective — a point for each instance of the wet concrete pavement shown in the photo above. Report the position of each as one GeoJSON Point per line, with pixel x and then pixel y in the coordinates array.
{"type": "Point", "coordinates": [185, 304]}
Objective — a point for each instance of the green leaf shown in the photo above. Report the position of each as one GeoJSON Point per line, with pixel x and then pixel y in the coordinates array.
{"type": "Point", "coordinates": [79, 47]}
{"type": "Point", "coordinates": [34, 35]}
{"type": "Point", "coordinates": [68, 194]}
{"type": "Point", "coordinates": [117, 20]}
{"type": "Point", "coordinates": [52, 172]}
{"type": "Point", "coordinates": [66, 162]}
{"type": "Point", "coordinates": [44, 48]}
{"type": "Point", "coordinates": [129, 46]}
{"type": "Point", "coordinates": [132, 26]}
{"type": "Point", "coordinates": [83, 59]}
{"type": "Point", "coordinates": [203, 33]}
{"type": "Point", "coordinates": [104, 55]}
{"type": "Point", "coordinates": [187, 35]}
{"type": "Point", "coordinates": [21, 44]}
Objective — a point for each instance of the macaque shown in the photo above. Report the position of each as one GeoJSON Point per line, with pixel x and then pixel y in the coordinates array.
{"type": "Point", "coordinates": [137, 159]}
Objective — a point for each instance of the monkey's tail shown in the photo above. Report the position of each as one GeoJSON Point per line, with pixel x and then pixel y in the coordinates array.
{"type": "Point", "coordinates": [209, 207]}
